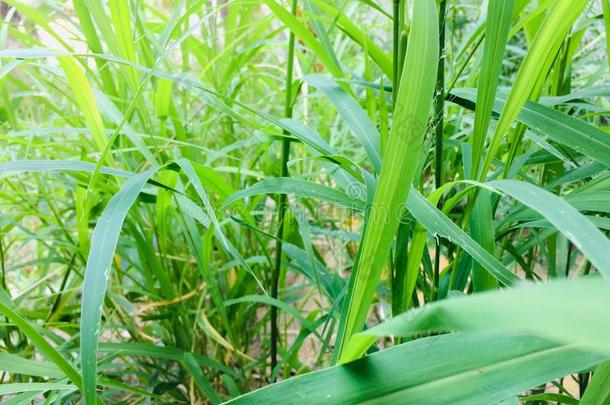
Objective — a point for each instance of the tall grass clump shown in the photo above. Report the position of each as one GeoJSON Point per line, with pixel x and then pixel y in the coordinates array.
{"type": "Point", "coordinates": [304, 201]}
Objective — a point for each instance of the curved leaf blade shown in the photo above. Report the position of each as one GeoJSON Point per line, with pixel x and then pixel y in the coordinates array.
{"type": "Point", "coordinates": [353, 114]}
{"type": "Point", "coordinates": [460, 369]}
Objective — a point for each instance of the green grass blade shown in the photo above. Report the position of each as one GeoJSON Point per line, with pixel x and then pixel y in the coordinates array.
{"type": "Point", "coordinates": [263, 299]}
{"type": "Point", "coordinates": [499, 17]}
{"type": "Point", "coordinates": [202, 382]}
{"type": "Point", "coordinates": [94, 44]}
{"type": "Point", "coordinates": [24, 398]}
{"type": "Point", "coordinates": [301, 188]}
{"type": "Point", "coordinates": [412, 270]}
{"type": "Point", "coordinates": [437, 223]}
{"type": "Point", "coordinates": [320, 31]}
{"type": "Point", "coordinates": [567, 311]}
{"type": "Point", "coordinates": [400, 160]}
{"type": "Point", "coordinates": [103, 22]}
{"type": "Point", "coordinates": [191, 174]}
{"type": "Point", "coordinates": [85, 100]}
{"type": "Point", "coordinates": [121, 22]}
{"type": "Point", "coordinates": [548, 397]}
{"type": "Point", "coordinates": [160, 352]}
{"type": "Point", "coordinates": [377, 54]}
{"type": "Point", "coordinates": [14, 364]}
{"type": "Point", "coordinates": [534, 69]}
{"type": "Point", "coordinates": [119, 12]}
{"type": "Point", "coordinates": [331, 283]}
{"type": "Point", "coordinates": [598, 389]}
{"type": "Point", "coordinates": [303, 33]}
{"type": "Point", "coordinates": [585, 236]}
{"type": "Point", "coordinates": [567, 219]}
{"type": "Point", "coordinates": [354, 116]}
{"type": "Point", "coordinates": [167, 302]}
{"type": "Point", "coordinates": [41, 343]}
{"type": "Point", "coordinates": [15, 388]}
{"type": "Point", "coordinates": [32, 166]}
{"type": "Point", "coordinates": [554, 124]}
{"type": "Point", "coordinates": [482, 231]}
{"type": "Point", "coordinates": [112, 113]}
{"type": "Point", "coordinates": [103, 244]}
{"type": "Point", "coordinates": [462, 368]}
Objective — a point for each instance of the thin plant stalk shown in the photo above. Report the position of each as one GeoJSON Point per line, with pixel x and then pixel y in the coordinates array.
{"type": "Point", "coordinates": [282, 206]}
{"type": "Point", "coordinates": [439, 118]}
{"type": "Point", "coordinates": [395, 49]}
{"type": "Point", "coordinates": [402, 237]}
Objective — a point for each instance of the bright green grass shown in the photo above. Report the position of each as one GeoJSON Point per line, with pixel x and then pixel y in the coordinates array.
{"type": "Point", "coordinates": [202, 199]}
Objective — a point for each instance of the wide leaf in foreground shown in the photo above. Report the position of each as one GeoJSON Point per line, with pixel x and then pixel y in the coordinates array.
{"type": "Point", "coordinates": [567, 311]}
{"type": "Point", "coordinates": [462, 368]}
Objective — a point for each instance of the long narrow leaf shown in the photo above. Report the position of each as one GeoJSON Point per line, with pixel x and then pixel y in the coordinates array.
{"type": "Point", "coordinates": [556, 125]}
{"type": "Point", "coordinates": [499, 17]}
{"type": "Point", "coordinates": [41, 343]}
{"type": "Point", "coordinates": [437, 223]}
{"type": "Point", "coordinates": [535, 68]}
{"type": "Point", "coordinates": [598, 389]}
{"type": "Point", "coordinates": [459, 369]}
{"type": "Point", "coordinates": [567, 311]}
{"type": "Point", "coordinates": [399, 164]}
{"type": "Point", "coordinates": [354, 116]}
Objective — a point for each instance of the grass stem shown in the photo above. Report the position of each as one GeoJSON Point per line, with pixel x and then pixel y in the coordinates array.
{"type": "Point", "coordinates": [395, 49]}
{"type": "Point", "coordinates": [282, 206]}
{"type": "Point", "coordinates": [439, 106]}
